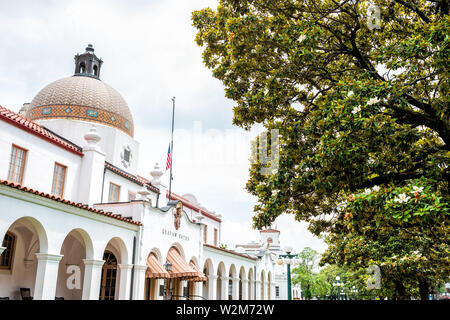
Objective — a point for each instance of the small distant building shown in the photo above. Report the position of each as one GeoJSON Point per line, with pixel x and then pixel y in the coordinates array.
{"type": "Point", "coordinates": [269, 244]}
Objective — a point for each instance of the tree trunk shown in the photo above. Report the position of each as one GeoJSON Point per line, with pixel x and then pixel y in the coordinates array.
{"type": "Point", "coordinates": [424, 289]}
{"type": "Point", "coordinates": [400, 291]}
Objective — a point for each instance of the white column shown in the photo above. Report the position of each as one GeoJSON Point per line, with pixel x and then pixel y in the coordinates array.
{"type": "Point", "coordinates": [198, 290]}
{"type": "Point", "coordinates": [2, 249]}
{"type": "Point", "coordinates": [224, 288]}
{"type": "Point", "coordinates": [125, 281]}
{"type": "Point", "coordinates": [235, 291]}
{"type": "Point", "coordinates": [251, 293]}
{"type": "Point", "coordinates": [245, 294]}
{"type": "Point", "coordinates": [139, 282]}
{"type": "Point", "coordinates": [92, 279]}
{"type": "Point", "coordinates": [46, 276]}
{"type": "Point", "coordinates": [212, 287]}
{"type": "Point", "coordinates": [258, 290]}
{"type": "Point", "coordinates": [91, 170]}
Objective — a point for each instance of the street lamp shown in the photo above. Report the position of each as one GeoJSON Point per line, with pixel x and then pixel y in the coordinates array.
{"type": "Point", "coordinates": [288, 259]}
{"type": "Point", "coordinates": [338, 283]}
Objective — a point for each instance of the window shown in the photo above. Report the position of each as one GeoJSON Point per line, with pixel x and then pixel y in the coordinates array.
{"type": "Point", "coordinates": [277, 291]}
{"type": "Point", "coordinates": [131, 196]}
{"type": "Point", "coordinates": [205, 234]}
{"type": "Point", "coordinates": [269, 240]}
{"type": "Point", "coordinates": [215, 237]}
{"type": "Point", "coordinates": [17, 164]}
{"type": "Point", "coordinates": [7, 255]}
{"type": "Point", "coordinates": [59, 178]}
{"type": "Point", "coordinates": [114, 192]}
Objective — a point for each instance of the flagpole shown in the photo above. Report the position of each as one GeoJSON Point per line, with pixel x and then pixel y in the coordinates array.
{"type": "Point", "coordinates": [171, 149]}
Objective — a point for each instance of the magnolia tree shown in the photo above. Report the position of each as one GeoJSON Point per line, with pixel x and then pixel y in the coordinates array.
{"type": "Point", "coordinates": [358, 92]}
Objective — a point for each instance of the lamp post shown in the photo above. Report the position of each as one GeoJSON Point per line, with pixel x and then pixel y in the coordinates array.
{"type": "Point", "coordinates": [288, 260]}
{"type": "Point", "coordinates": [338, 283]}
{"type": "Point", "coordinates": [168, 267]}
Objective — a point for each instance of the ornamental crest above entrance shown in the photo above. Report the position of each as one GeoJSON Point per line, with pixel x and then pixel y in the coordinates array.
{"type": "Point", "coordinates": [177, 211]}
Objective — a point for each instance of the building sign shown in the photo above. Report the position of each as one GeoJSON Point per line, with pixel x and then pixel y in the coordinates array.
{"type": "Point", "coordinates": [175, 234]}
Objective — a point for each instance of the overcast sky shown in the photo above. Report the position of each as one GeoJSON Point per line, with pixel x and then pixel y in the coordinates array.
{"type": "Point", "coordinates": [149, 56]}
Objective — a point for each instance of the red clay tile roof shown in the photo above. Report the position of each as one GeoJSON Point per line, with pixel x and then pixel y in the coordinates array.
{"type": "Point", "coordinates": [32, 127]}
{"type": "Point", "coordinates": [138, 180]}
{"type": "Point", "coordinates": [71, 203]}
{"type": "Point", "coordinates": [269, 230]}
{"type": "Point", "coordinates": [229, 251]}
{"type": "Point", "coordinates": [190, 205]}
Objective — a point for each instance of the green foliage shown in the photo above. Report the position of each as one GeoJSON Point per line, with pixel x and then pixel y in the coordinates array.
{"type": "Point", "coordinates": [356, 108]}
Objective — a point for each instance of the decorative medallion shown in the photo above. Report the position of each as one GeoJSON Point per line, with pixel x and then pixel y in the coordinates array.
{"type": "Point", "coordinates": [177, 212]}
{"type": "Point", "coordinates": [68, 110]}
{"type": "Point", "coordinates": [126, 156]}
{"type": "Point", "coordinates": [91, 113]}
{"type": "Point", "coordinates": [47, 110]}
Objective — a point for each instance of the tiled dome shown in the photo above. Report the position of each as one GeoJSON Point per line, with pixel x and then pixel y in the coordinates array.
{"type": "Point", "coordinates": [82, 98]}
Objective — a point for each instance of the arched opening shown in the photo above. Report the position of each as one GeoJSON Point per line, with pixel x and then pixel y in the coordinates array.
{"type": "Point", "coordinates": [221, 273]}
{"type": "Point", "coordinates": [241, 284]}
{"type": "Point", "coordinates": [182, 274]}
{"type": "Point", "coordinates": [231, 283]}
{"type": "Point", "coordinates": [114, 254]}
{"type": "Point", "coordinates": [76, 246]}
{"type": "Point", "coordinates": [109, 277]}
{"type": "Point", "coordinates": [154, 276]}
{"type": "Point", "coordinates": [82, 68]}
{"type": "Point", "coordinates": [251, 293]}
{"type": "Point", "coordinates": [95, 70]}
{"type": "Point", "coordinates": [207, 286]}
{"type": "Point", "coordinates": [23, 239]}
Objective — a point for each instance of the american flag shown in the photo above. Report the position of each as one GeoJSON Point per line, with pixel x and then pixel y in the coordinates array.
{"type": "Point", "coordinates": [169, 159]}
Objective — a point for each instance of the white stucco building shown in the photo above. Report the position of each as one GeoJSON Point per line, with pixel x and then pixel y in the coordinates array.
{"type": "Point", "coordinates": [270, 244]}
{"type": "Point", "coordinates": [77, 221]}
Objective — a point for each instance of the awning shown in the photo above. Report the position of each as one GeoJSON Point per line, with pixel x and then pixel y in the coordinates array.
{"type": "Point", "coordinates": [200, 276]}
{"type": "Point", "coordinates": [155, 269]}
{"type": "Point", "coordinates": [180, 269]}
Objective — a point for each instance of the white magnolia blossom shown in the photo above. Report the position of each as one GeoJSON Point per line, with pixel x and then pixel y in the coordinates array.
{"type": "Point", "coordinates": [275, 192]}
{"type": "Point", "coordinates": [350, 93]}
{"type": "Point", "coordinates": [373, 101]}
{"type": "Point", "coordinates": [402, 198]}
{"type": "Point", "coordinates": [417, 189]}
{"type": "Point", "coordinates": [356, 109]}
{"type": "Point", "coordinates": [367, 191]}
{"type": "Point", "coordinates": [376, 188]}
{"type": "Point", "coordinates": [302, 38]}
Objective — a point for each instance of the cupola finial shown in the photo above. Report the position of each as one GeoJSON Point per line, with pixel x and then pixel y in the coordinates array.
{"type": "Point", "coordinates": [88, 64]}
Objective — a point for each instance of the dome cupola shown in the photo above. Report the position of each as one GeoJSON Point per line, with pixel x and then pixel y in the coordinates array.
{"type": "Point", "coordinates": [83, 97]}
